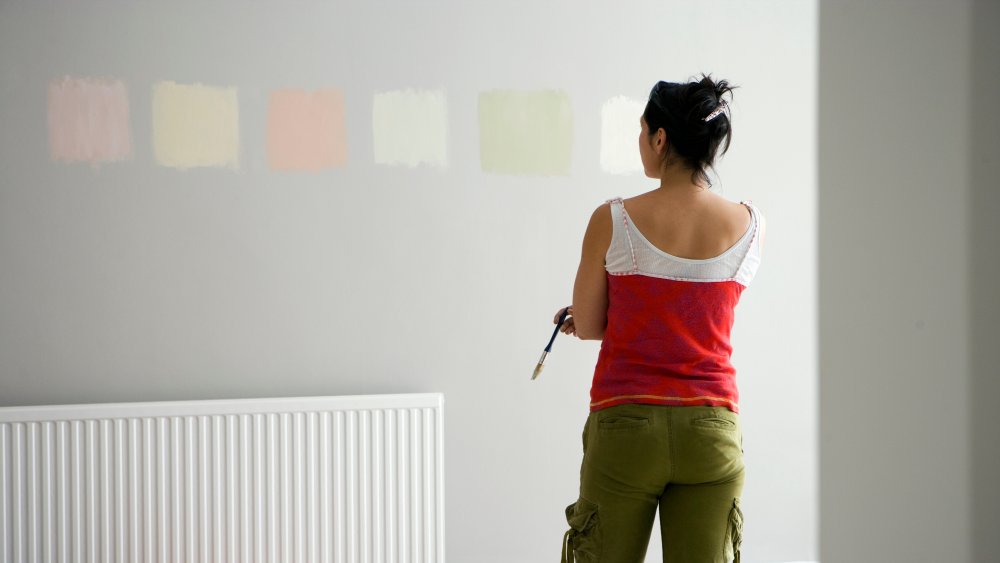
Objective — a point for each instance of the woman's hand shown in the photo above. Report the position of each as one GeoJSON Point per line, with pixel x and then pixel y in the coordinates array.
{"type": "Point", "coordinates": [568, 326]}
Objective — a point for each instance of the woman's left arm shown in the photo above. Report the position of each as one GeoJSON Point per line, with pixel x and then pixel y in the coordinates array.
{"type": "Point", "coordinates": [590, 291]}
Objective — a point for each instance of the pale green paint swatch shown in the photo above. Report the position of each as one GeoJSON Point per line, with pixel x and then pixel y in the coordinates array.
{"type": "Point", "coordinates": [525, 132]}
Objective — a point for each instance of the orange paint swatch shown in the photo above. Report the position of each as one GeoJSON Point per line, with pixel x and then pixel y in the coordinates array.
{"type": "Point", "coordinates": [305, 130]}
{"type": "Point", "coordinates": [88, 120]}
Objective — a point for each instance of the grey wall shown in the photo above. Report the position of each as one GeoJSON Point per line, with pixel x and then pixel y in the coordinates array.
{"type": "Point", "coordinates": [983, 302]}
{"type": "Point", "coordinates": [134, 282]}
{"type": "Point", "coordinates": [908, 311]}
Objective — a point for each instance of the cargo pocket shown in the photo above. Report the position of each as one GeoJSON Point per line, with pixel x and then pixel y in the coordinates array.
{"type": "Point", "coordinates": [734, 532]}
{"type": "Point", "coordinates": [581, 543]}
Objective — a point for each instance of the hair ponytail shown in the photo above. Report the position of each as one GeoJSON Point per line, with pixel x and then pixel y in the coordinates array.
{"type": "Point", "coordinates": [680, 110]}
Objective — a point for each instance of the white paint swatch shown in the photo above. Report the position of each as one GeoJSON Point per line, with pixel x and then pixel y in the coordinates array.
{"type": "Point", "coordinates": [620, 135]}
{"type": "Point", "coordinates": [410, 127]}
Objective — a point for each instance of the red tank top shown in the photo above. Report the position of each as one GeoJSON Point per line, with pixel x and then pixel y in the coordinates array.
{"type": "Point", "coordinates": [669, 320]}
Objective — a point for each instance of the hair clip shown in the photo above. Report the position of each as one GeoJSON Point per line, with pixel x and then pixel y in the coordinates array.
{"type": "Point", "coordinates": [718, 110]}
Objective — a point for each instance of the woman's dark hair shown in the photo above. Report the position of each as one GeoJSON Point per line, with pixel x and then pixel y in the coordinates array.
{"type": "Point", "coordinates": [679, 109]}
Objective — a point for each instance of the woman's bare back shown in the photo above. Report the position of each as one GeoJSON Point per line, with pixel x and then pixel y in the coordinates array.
{"type": "Point", "coordinates": [696, 227]}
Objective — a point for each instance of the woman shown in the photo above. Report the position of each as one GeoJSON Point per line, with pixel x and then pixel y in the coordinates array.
{"type": "Point", "coordinates": [659, 278]}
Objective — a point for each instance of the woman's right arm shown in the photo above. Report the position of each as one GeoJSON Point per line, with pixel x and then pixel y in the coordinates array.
{"type": "Point", "coordinates": [590, 291]}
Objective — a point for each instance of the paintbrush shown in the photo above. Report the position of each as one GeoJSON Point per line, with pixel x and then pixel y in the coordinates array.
{"type": "Point", "coordinates": [541, 361]}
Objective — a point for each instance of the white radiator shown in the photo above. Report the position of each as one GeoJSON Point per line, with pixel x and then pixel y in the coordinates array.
{"type": "Point", "coordinates": [313, 479]}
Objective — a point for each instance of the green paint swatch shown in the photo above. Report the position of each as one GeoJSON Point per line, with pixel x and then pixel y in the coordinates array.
{"type": "Point", "coordinates": [525, 132]}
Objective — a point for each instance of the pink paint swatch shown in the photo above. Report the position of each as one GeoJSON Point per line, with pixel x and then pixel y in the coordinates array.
{"type": "Point", "coordinates": [88, 120]}
{"type": "Point", "coordinates": [305, 130]}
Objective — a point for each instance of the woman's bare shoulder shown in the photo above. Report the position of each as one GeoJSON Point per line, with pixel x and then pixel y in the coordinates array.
{"type": "Point", "coordinates": [739, 215]}
{"type": "Point", "coordinates": [705, 205]}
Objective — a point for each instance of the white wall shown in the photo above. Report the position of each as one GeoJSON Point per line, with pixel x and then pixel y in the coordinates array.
{"type": "Point", "coordinates": [136, 282]}
{"type": "Point", "coordinates": [908, 308]}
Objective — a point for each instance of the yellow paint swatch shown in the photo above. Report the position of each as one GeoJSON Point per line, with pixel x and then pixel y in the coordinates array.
{"type": "Point", "coordinates": [525, 132]}
{"type": "Point", "coordinates": [195, 125]}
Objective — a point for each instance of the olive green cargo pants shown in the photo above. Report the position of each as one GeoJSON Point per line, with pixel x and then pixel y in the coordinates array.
{"type": "Point", "coordinates": [686, 461]}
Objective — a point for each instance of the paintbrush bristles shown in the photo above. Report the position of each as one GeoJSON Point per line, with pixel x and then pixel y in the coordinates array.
{"type": "Point", "coordinates": [538, 370]}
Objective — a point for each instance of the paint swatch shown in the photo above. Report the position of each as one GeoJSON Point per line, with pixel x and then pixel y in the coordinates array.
{"type": "Point", "coordinates": [619, 135]}
{"type": "Point", "coordinates": [195, 125]}
{"type": "Point", "coordinates": [525, 132]}
{"type": "Point", "coordinates": [89, 120]}
{"type": "Point", "coordinates": [305, 130]}
{"type": "Point", "coordinates": [410, 127]}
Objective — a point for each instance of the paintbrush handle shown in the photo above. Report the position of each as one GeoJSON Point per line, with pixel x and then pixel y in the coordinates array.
{"type": "Point", "coordinates": [541, 361]}
{"type": "Point", "coordinates": [562, 319]}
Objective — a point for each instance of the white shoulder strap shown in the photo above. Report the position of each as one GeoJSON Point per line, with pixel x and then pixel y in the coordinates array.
{"type": "Point", "coordinates": [751, 260]}
{"type": "Point", "coordinates": [620, 226]}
